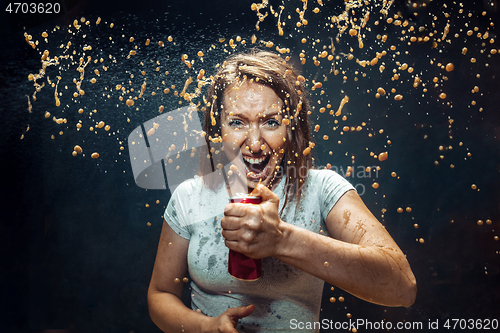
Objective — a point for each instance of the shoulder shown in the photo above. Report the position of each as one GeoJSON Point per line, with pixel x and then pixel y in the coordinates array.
{"type": "Point", "coordinates": [186, 192]}
{"type": "Point", "coordinates": [187, 187]}
{"type": "Point", "coordinates": [329, 187]}
{"type": "Point", "coordinates": [325, 176]}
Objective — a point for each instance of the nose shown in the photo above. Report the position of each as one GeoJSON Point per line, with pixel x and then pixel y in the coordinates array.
{"type": "Point", "coordinates": [254, 140]}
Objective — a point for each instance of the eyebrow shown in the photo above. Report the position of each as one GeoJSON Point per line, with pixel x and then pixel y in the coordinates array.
{"type": "Point", "coordinates": [262, 115]}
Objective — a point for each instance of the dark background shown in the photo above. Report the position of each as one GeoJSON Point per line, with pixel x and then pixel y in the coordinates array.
{"type": "Point", "coordinates": [75, 250]}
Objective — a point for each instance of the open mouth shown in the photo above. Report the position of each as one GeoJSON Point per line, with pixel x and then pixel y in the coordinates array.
{"type": "Point", "coordinates": [256, 168]}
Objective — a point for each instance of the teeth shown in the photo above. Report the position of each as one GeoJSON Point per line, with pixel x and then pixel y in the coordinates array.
{"type": "Point", "coordinates": [254, 160]}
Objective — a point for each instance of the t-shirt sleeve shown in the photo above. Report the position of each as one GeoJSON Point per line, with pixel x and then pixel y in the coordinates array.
{"type": "Point", "coordinates": [334, 187]}
{"type": "Point", "coordinates": [175, 215]}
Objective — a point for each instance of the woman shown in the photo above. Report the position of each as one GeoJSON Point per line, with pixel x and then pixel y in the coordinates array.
{"type": "Point", "coordinates": [311, 226]}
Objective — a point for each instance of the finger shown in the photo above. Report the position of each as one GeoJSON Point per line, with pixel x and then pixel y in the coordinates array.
{"type": "Point", "coordinates": [230, 235]}
{"type": "Point", "coordinates": [238, 247]}
{"type": "Point", "coordinates": [230, 223]}
{"type": "Point", "coordinates": [237, 229]}
{"type": "Point", "coordinates": [265, 193]}
{"type": "Point", "coordinates": [228, 207]}
{"type": "Point", "coordinates": [232, 245]}
{"type": "Point", "coordinates": [241, 247]}
{"type": "Point", "coordinates": [234, 209]}
{"type": "Point", "coordinates": [240, 312]}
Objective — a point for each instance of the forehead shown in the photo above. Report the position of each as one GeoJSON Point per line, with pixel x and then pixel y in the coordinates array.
{"type": "Point", "coordinates": [250, 94]}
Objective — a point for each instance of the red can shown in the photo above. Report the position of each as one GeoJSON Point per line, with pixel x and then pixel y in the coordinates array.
{"type": "Point", "coordinates": [239, 265]}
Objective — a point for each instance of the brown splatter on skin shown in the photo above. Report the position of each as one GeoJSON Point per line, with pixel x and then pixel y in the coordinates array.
{"type": "Point", "coordinates": [357, 232]}
{"type": "Point", "coordinates": [346, 217]}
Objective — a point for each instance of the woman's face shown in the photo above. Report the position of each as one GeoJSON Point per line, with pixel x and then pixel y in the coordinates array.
{"type": "Point", "coordinates": [252, 120]}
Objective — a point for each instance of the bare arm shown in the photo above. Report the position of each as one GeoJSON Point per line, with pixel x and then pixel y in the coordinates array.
{"type": "Point", "coordinates": [359, 257]}
{"type": "Point", "coordinates": [165, 289]}
{"type": "Point", "coordinates": [165, 292]}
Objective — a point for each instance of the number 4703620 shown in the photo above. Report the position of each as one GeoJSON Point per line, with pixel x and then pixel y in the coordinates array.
{"type": "Point", "coordinates": [33, 8]}
{"type": "Point", "coordinates": [471, 324]}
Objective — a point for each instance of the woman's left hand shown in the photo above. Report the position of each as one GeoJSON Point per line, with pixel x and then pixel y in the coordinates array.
{"type": "Point", "coordinates": [253, 229]}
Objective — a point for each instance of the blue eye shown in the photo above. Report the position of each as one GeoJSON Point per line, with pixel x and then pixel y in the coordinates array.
{"type": "Point", "coordinates": [273, 123]}
{"type": "Point", "coordinates": [235, 123]}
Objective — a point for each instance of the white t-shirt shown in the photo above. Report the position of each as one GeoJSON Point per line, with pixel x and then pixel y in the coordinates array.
{"type": "Point", "coordinates": [283, 292]}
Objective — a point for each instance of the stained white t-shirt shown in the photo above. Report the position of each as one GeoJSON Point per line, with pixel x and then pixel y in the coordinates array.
{"type": "Point", "coordinates": [283, 292]}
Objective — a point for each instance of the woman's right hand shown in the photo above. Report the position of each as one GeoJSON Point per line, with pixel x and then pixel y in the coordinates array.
{"type": "Point", "coordinates": [227, 321]}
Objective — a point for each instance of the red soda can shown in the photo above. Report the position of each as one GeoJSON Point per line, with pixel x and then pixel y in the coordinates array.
{"type": "Point", "coordinates": [239, 265]}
